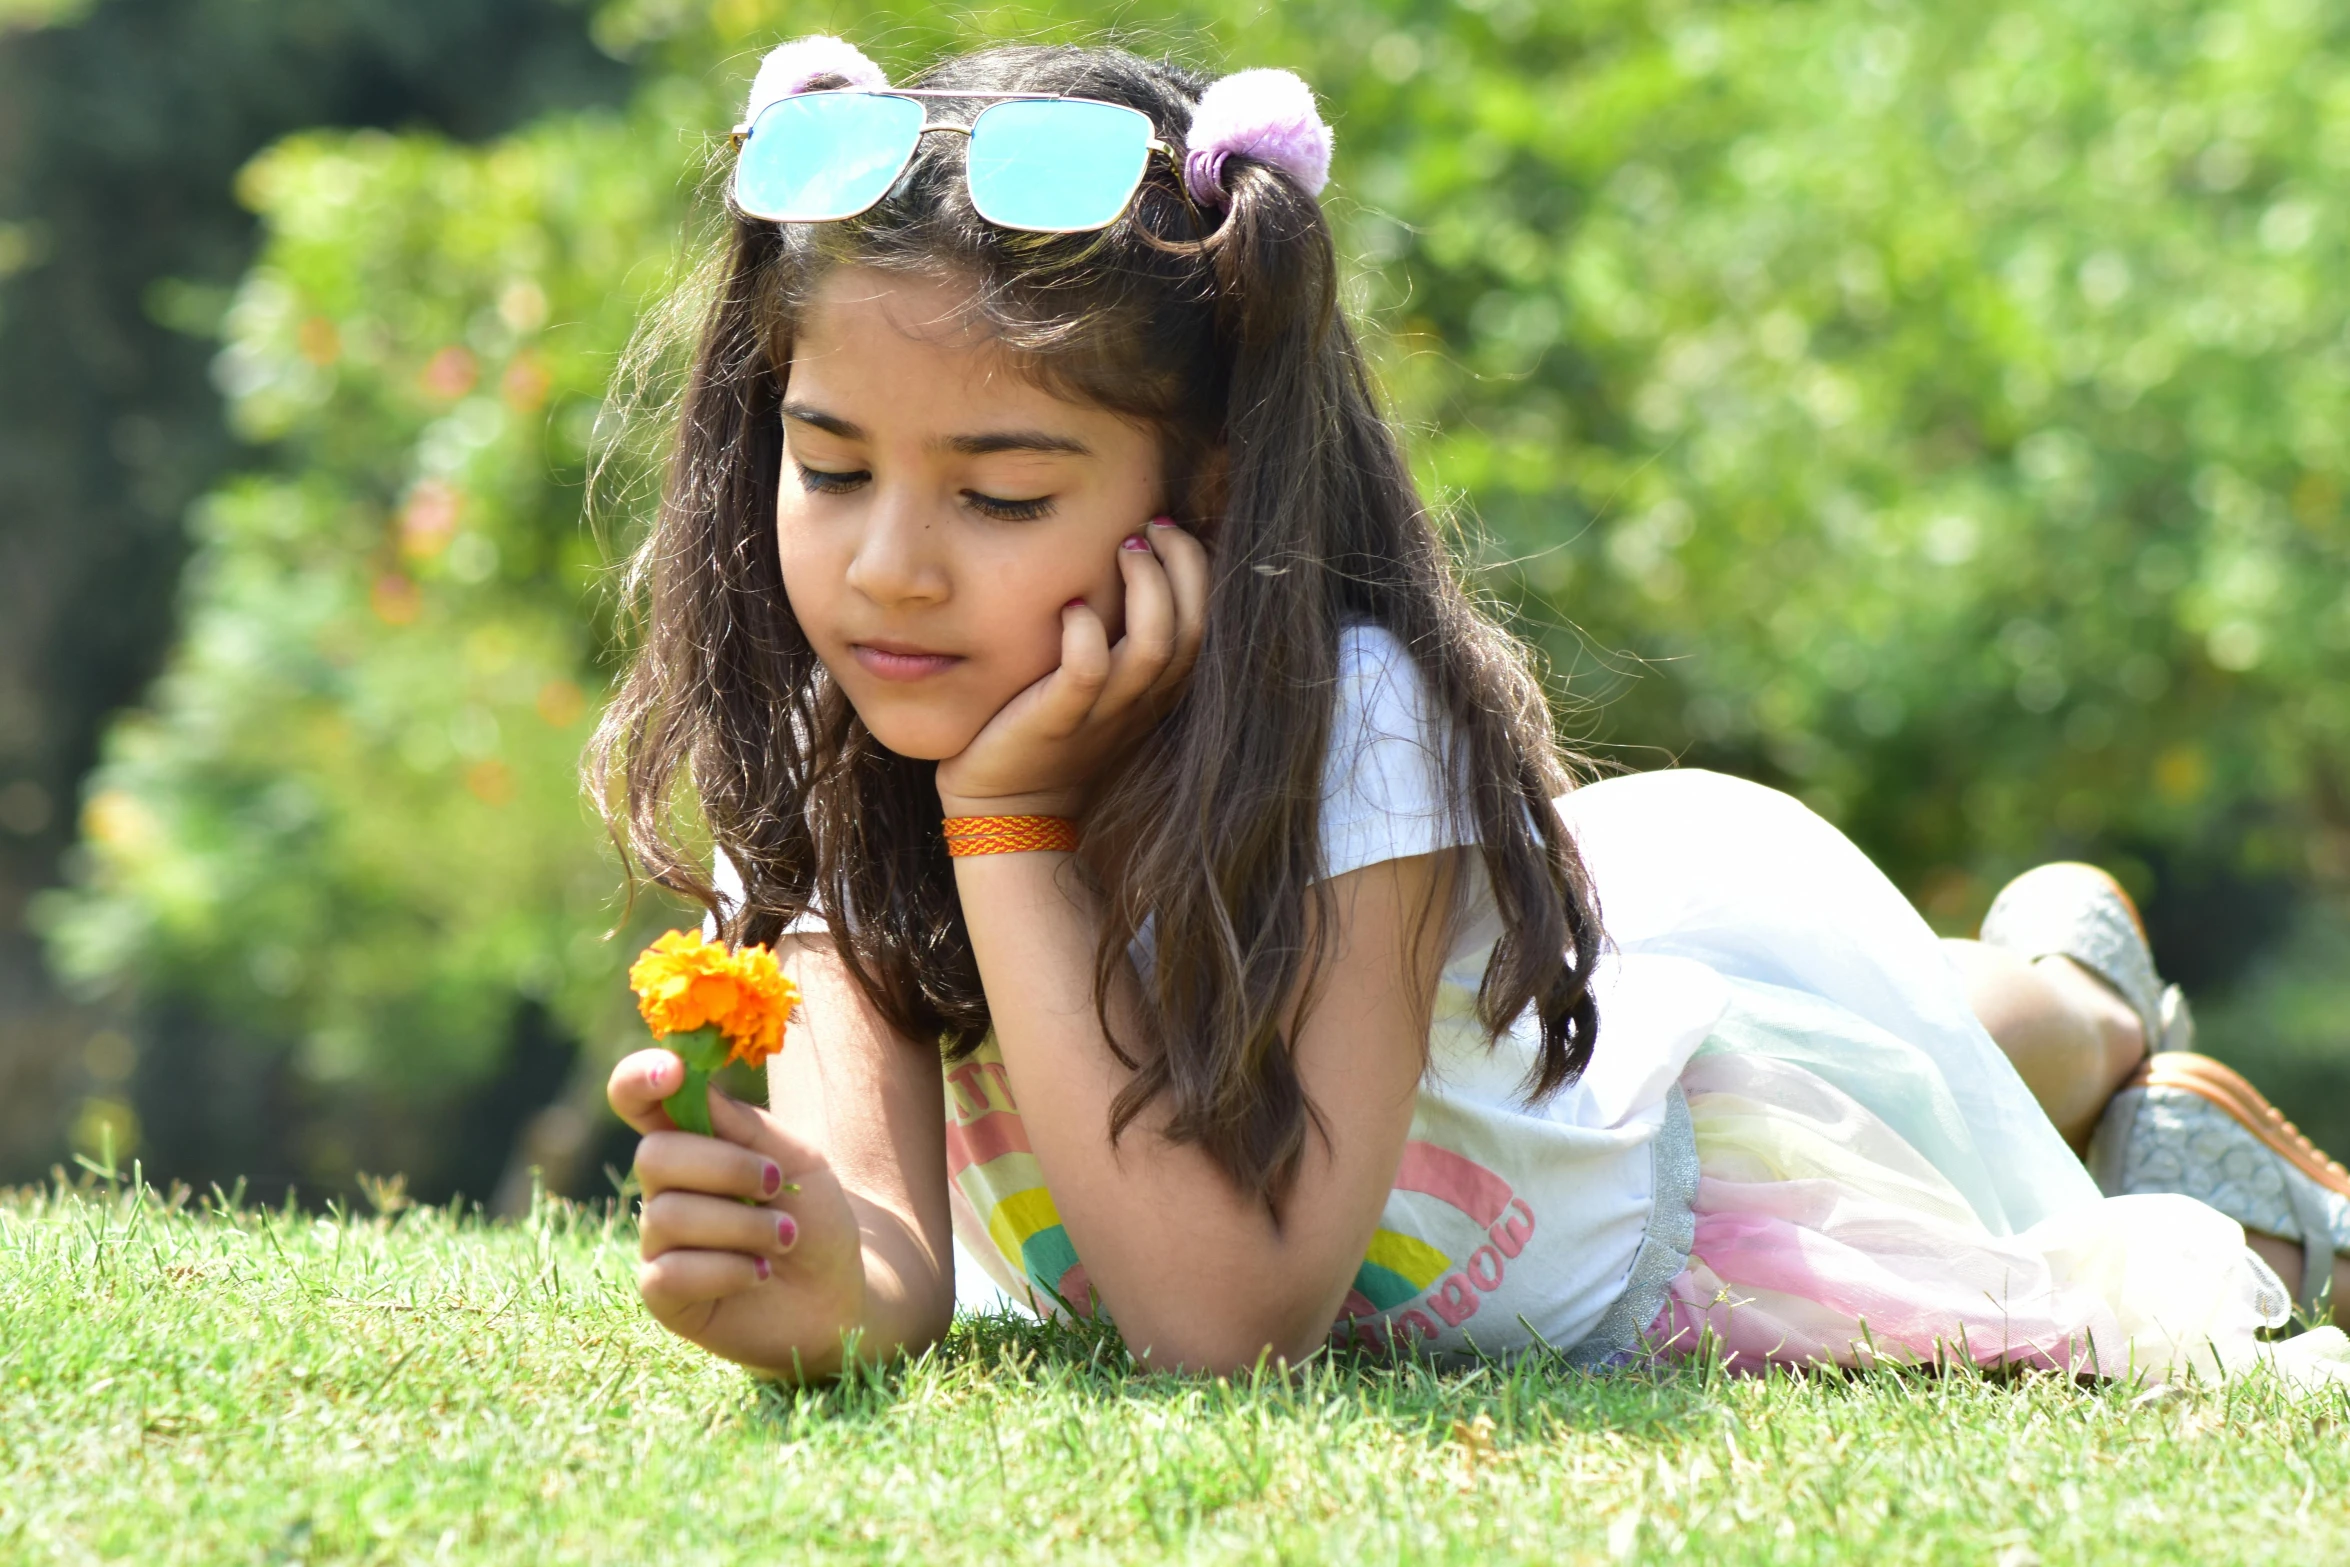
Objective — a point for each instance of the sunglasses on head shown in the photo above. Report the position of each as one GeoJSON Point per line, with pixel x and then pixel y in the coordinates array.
{"type": "Point", "coordinates": [1037, 161]}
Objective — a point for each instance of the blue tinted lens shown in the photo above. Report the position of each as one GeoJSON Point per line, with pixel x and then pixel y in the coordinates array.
{"type": "Point", "coordinates": [824, 155]}
{"type": "Point", "coordinates": [1057, 165]}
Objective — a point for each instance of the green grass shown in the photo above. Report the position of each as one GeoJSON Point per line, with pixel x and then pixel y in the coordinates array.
{"type": "Point", "coordinates": [191, 1382]}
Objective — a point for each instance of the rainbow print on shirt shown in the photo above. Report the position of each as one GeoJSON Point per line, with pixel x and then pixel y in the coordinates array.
{"type": "Point", "coordinates": [998, 1183]}
{"type": "Point", "coordinates": [995, 1172]}
{"type": "Point", "coordinates": [1399, 1269]}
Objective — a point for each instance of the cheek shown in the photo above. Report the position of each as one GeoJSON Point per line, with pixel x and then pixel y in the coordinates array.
{"type": "Point", "coordinates": [1023, 602]}
{"type": "Point", "coordinates": [811, 577]}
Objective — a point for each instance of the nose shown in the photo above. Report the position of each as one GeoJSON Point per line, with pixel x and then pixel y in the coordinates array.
{"type": "Point", "coordinates": [899, 557]}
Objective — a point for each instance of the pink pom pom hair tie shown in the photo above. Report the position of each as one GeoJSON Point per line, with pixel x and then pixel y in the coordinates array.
{"type": "Point", "coordinates": [1265, 114]}
{"type": "Point", "coordinates": [790, 67]}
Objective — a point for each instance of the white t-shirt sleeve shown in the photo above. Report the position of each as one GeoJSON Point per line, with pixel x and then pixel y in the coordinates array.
{"type": "Point", "coordinates": [727, 881]}
{"type": "Point", "coordinates": [1383, 791]}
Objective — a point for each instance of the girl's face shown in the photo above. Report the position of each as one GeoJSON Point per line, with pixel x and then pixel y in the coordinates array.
{"type": "Point", "coordinates": [938, 510]}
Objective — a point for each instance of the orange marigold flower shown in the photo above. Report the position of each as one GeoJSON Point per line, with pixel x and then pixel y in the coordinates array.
{"type": "Point", "coordinates": [684, 982]}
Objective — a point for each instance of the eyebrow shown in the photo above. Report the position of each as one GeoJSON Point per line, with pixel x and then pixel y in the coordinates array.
{"type": "Point", "coordinates": [982, 445]}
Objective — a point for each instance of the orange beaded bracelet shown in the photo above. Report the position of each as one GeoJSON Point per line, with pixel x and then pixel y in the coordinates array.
{"type": "Point", "coordinates": [968, 835]}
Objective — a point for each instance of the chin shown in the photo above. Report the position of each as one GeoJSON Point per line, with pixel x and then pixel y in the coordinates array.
{"type": "Point", "coordinates": [919, 739]}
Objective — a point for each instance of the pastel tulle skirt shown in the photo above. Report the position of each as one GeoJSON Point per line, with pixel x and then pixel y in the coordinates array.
{"type": "Point", "coordinates": [1875, 1183]}
{"type": "Point", "coordinates": [1825, 1235]}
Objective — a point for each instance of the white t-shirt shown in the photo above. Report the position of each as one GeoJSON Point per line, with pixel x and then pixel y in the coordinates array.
{"type": "Point", "coordinates": [1508, 1225]}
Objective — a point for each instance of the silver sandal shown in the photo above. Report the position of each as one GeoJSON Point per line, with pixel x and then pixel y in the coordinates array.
{"type": "Point", "coordinates": [2187, 1123]}
{"type": "Point", "coordinates": [2184, 1122]}
{"type": "Point", "coordinates": [2081, 912]}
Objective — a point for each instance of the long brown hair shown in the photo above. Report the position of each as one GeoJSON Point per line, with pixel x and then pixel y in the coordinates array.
{"type": "Point", "coordinates": [1224, 333]}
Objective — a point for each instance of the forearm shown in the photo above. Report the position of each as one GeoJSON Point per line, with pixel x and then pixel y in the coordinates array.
{"type": "Point", "coordinates": [871, 1276]}
{"type": "Point", "coordinates": [1192, 1269]}
{"type": "Point", "coordinates": [909, 1291]}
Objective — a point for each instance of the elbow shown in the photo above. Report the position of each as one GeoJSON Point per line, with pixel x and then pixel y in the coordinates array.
{"type": "Point", "coordinates": [1231, 1348]}
{"type": "Point", "coordinates": [929, 1330]}
{"type": "Point", "coordinates": [1224, 1331]}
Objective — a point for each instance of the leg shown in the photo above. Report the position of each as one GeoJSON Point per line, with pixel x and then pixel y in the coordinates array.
{"type": "Point", "coordinates": [2072, 1039]}
{"type": "Point", "coordinates": [2285, 1257]}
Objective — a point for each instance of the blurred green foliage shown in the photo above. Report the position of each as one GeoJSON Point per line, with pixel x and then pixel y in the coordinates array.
{"type": "Point", "coordinates": [351, 813]}
{"type": "Point", "coordinates": [1953, 398]}
{"type": "Point", "coordinates": [39, 13]}
{"type": "Point", "coordinates": [1938, 412]}
{"type": "Point", "coordinates": [123, 124]}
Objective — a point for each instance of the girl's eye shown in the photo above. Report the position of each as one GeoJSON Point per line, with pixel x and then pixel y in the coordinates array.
{"type": "Point", "coordinates": [824, 481]}
{"type": "Point", "coordinates": [1009, 511]}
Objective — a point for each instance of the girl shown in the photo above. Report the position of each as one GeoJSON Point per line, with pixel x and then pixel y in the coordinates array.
{"type": "Point", "coordinates": [1045, 625]}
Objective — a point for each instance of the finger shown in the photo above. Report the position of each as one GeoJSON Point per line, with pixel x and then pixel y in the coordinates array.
{"type": "Point", "coordinates": [687, 1161]}
{"type": "Point", "coordinates": [638, 1085]}
{"type": "Point", "coordinates": [1068, 694]}
{"type": "Point", "coordinates": [1142, 653]}
{"type": "Point", "coordinates": [1185, 561]}
{"type": "Point", "coordinates": [677, 1281]}
{"type": "Point", "coordinates": [691, 1221]}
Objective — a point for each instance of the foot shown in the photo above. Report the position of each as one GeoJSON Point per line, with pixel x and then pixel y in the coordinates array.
{"type": "Point", "coordinates": [2189, 1124]}
{"type": "Point", "coordinates": [2080, 913]}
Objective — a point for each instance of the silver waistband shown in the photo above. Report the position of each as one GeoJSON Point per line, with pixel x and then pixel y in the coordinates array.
{"type": "Point", "coordinates": [1664, 1250]}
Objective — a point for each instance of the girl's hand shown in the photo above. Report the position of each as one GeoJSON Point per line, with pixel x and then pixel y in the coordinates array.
{"type": "Point", "coordinates": [1038, 753]}
{"type": "Point", "coordinates": [749, 1248]}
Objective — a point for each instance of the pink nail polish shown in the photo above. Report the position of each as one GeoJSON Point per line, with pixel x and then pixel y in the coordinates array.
{"type": "Point", "coordinates": [787, 1231]}
{"type": "Point", "coordinates": [1134, 541]}
{"type": "Point", "coordinates": [1162, 520]}
{"type": "Point", "coordinates": [762, 1267]}
{"type": "Point", "coordinates": [770, 1179]}
{"type": "Point", "coordinates": [1076, 603]}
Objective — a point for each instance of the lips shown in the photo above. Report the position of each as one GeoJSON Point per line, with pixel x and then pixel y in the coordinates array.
{"type": "Point", "coordinates": [901, 661]}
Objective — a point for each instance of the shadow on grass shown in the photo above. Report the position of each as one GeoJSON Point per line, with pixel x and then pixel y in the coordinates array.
{"type": "Point", "coordinates": [1011, 1354]}
{"type": "Point", "coordinates": [1497, 1405]}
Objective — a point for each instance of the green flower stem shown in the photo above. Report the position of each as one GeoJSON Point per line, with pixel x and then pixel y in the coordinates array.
{"type": "Point", "coordinates": [703, 1051]}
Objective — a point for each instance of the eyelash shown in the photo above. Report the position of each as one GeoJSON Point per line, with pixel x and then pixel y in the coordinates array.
{"type": "Point", "coordinates": [825, 481]}
{"type": "Point", "coordinates": [1009, 511]}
